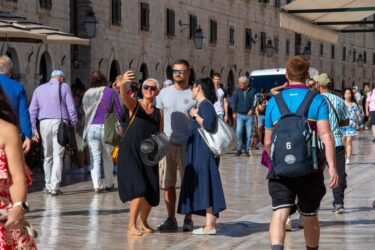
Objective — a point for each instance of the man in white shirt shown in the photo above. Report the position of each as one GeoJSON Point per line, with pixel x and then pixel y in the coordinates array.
{"type": "Point", "coordinates": [221, 105]}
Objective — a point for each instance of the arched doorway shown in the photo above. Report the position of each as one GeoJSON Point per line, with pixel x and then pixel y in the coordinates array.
{"type": "Point", "coordinates": [212, 72]}
{"type": "Point", "coordinates": [45, 67]}
{"type": "Point", "coordinates": [230, 81]}
{"type": "Point", "coordinates": [192, 77]}
{"type": "Point", "coordinates": [114, 71]}
{"type": "Point", "coordinates": [12, 54]}
{"type": "Point", "coordinates": [143, 69]}
{"type": "Point", "coordinates": [169, 73]}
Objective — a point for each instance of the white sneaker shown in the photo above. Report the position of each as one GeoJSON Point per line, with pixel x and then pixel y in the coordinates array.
{"type": "Point", "coordinates": [347, 161]}
{"type": "Point", "coordinates": [288, 224]}
{"type": "Point", "coordinates": [201, 231]}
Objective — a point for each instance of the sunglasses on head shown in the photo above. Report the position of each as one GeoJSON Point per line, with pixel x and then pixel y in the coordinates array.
{"type": "Point", "coordinates": [179, 71]}
{"type": "Point", "coordinates": [148, 87]}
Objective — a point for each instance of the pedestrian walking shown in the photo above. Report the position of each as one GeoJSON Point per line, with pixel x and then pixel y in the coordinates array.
{"type": "Point", "coordinates": [138, 182]}
{"type": "Point", "coordinates": [175, 102]}
{"type": "Point", "coordinates": [47, 107]}
{"type": "Point", "coordinates": [98, 101]}
{"type": "Point", "coordinates": [351, 130]}
{"type": "Point", "coordinates": [16, 94]}
{"type": "Point", "coordinates": [243, 113]}
{"type": "Point", "coordinates": [201, 188]}
{"type": "Point", "coordinates": [370, 110]}
{"type": "Point", "coordinates": [337, 115]}
{"type": "Point", "coordinates": [221, 105]}
{"type": "Point", "coordinates": [293, 174]}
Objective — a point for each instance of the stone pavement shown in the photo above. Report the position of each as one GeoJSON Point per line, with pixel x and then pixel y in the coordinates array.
{"type": "Point", "coordinates": [81, 219]}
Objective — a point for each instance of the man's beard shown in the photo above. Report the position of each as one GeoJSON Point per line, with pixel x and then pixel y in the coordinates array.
{"type": "Point", "coordinates": [180, 81]}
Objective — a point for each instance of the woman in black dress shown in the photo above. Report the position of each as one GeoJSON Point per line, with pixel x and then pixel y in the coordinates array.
{"type": "Point", "coordinates": [137, 182]}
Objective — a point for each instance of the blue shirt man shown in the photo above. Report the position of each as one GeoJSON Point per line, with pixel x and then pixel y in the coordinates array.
{"type": "Point", "coordinates": [16, 94]}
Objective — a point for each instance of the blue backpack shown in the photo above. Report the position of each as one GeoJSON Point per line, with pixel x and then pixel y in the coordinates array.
{"type": "Point", "coordinates": [294, 143]}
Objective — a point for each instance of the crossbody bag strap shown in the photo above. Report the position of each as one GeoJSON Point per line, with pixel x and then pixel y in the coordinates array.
{"type": "Point", "coordinates": [334, 110]}
{"type": "Point", "coordinates": [60, 98]}
{"type": "Point", "coordinates": [132, 118]}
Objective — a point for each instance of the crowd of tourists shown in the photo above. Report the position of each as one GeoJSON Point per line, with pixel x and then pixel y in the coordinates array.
{"type": "Point", "coordinates": [154, 132]}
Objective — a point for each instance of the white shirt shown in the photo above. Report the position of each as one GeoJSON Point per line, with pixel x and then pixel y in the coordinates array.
{"type": "Point", "coordinates": [219, 104]}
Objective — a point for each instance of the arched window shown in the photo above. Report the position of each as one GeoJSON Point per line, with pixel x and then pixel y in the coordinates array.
{"type": "Point", "coordinates": [12, 54]}
{"type": "Point", "coordinates": [230, 81]}
{"type": "Point", "coordinates": [169, 72]}
{"type": "Point", "coordinates": [45, 67]}
{"type": "Point", "coordinates": [114, 71]}
{"type": "Point", "coordinates": [143, 69]}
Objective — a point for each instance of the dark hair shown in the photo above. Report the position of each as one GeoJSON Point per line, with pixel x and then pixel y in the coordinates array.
{"type": "Point", "coordinates": [183, 62]}
{"type": "Point", "coordinates": [208, 88]}
{"type": "Point", "coordinates": [6, 111]}
{"type": "Point", "coordinates": [297, 68]}
{"type": "Point", "coordinates": [352, 99]}
{"type": "Point", "coordinates": [216, 74]}
{"type": "Point", "coordinates": [98, 79]}
{"type": "Point", "coordinates": [263, 91]}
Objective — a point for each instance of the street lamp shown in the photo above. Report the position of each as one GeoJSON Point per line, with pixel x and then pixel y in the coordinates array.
{"type": "Point", "coordinates": [360, 60]}
{"type": "Point", "coordinates": [91, 24]}
{"type": "Point", "coordinates": [269, 48]}
{"type": "Point", "coordinates": [307, 52]}
{"type": "Point", "coordinates": [198, 38]}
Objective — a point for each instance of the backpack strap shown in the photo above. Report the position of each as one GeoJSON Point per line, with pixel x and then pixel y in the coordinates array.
{"type": "Point", "coordinates": [281, 104]}
{"type": "Point", "coordinates": [302, 109]}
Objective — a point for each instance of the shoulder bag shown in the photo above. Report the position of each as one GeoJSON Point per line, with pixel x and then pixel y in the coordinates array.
{"type": "Point", "coordinates": [342, 123]}
{"type": "Point", "coordinates": [222, 141]}
{"type": "Point", "coordinates": [112, 125]}
{"type": "Point", "coordinates": [65, 133]}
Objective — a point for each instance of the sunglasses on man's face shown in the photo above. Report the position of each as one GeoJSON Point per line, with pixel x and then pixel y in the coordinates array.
{"type": "Point", "coordinates": [179, 71]}
{"type": "Point", "coordinates": [148, 87]}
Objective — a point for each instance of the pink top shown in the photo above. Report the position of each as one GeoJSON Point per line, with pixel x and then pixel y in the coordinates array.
{"type": "Point", "coordinates": [371, 100]}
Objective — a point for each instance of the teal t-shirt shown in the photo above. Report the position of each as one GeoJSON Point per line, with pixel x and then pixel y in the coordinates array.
{"type": "Point", "coordinates": [293, 97]}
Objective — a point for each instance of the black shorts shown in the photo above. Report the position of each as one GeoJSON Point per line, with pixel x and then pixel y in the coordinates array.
{"type": "Point", "coordinates": [309, 191]}
{"type": "Point", "coordinates": [372, 117]}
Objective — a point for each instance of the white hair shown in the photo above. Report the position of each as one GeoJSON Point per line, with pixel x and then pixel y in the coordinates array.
{"type": "Point", "coordinates": [6, 64]}
{"type": "Point", "coordinates": [152, 80]}
{"type": "Point", "coordinates": [244, 79]}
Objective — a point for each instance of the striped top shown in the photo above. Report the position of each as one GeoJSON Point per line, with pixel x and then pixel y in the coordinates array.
{"type": "Point", "coordinates": [339, 105]}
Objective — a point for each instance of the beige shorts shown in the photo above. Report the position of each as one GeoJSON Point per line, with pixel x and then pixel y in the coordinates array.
{"type": "Point", "coordinates": [174, 159]}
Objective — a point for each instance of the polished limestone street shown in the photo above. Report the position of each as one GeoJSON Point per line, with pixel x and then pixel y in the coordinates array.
{"type": "Point", "coordinates": [81, 219]}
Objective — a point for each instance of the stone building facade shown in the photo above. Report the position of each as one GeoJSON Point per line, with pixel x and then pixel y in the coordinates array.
{"type": "Point", "coordinates": [118, 46]}
{"type": "Point", "coordinates": [148, 35]}
{"type": "Point", "coordinates": [33, 63]}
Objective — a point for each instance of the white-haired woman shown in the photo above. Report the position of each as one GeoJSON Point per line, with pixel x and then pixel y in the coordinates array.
{"type": "Point", "coordinates": [137, 182]}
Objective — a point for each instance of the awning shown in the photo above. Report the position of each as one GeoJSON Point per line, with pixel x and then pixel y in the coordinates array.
{"type": "Point", "coordinates": [13, 34]}
{"type": "Point", "coordinates": [327, 19]}
{"type": "Point", "coordinates": [18, 29]}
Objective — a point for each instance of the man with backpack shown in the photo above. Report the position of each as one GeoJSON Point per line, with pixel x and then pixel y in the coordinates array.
{"type": "Point", "coordinates": [295, 119]}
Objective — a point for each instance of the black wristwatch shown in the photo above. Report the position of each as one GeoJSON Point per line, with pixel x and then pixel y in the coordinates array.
{"type": "Point", "coordinates": [22, 204]}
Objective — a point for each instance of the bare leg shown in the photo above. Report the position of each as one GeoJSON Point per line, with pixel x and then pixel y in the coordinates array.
{"type": "Point", "coordinates": [170, 201]}
{"type": "Point", "coordinates": [210, 219]}
{"type": "Point", "coordinates": [277, 226]}
{"type": "Point", "coordinates": [135, 206]}
{"type": "Point", "coordinates": [145, 211]}
{"type": "Point", "coordinates": [311, 231]}
{"type": "Point", "coordinates": [348, 147]}
{"type": "Point", "coordinates": [260, 134]}
{"type": "Point", "coordinates": [373, 130]}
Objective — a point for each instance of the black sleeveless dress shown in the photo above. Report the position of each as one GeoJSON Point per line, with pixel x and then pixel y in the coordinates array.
{"type": "Point", "coordinates": [134, 178]}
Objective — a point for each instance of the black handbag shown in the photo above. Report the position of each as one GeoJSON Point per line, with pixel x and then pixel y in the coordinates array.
{"type": "Point", "coordinates": [65, 133]}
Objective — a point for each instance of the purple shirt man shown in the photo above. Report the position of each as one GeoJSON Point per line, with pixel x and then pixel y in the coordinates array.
{"type": "Point", "coordinates": [45, 103]}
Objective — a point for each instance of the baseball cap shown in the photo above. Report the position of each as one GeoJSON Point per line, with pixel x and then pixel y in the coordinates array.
{"type": "Point", "coordinates": [323, 79]}
{"type": "Point", "coordinates": [57, 73]}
